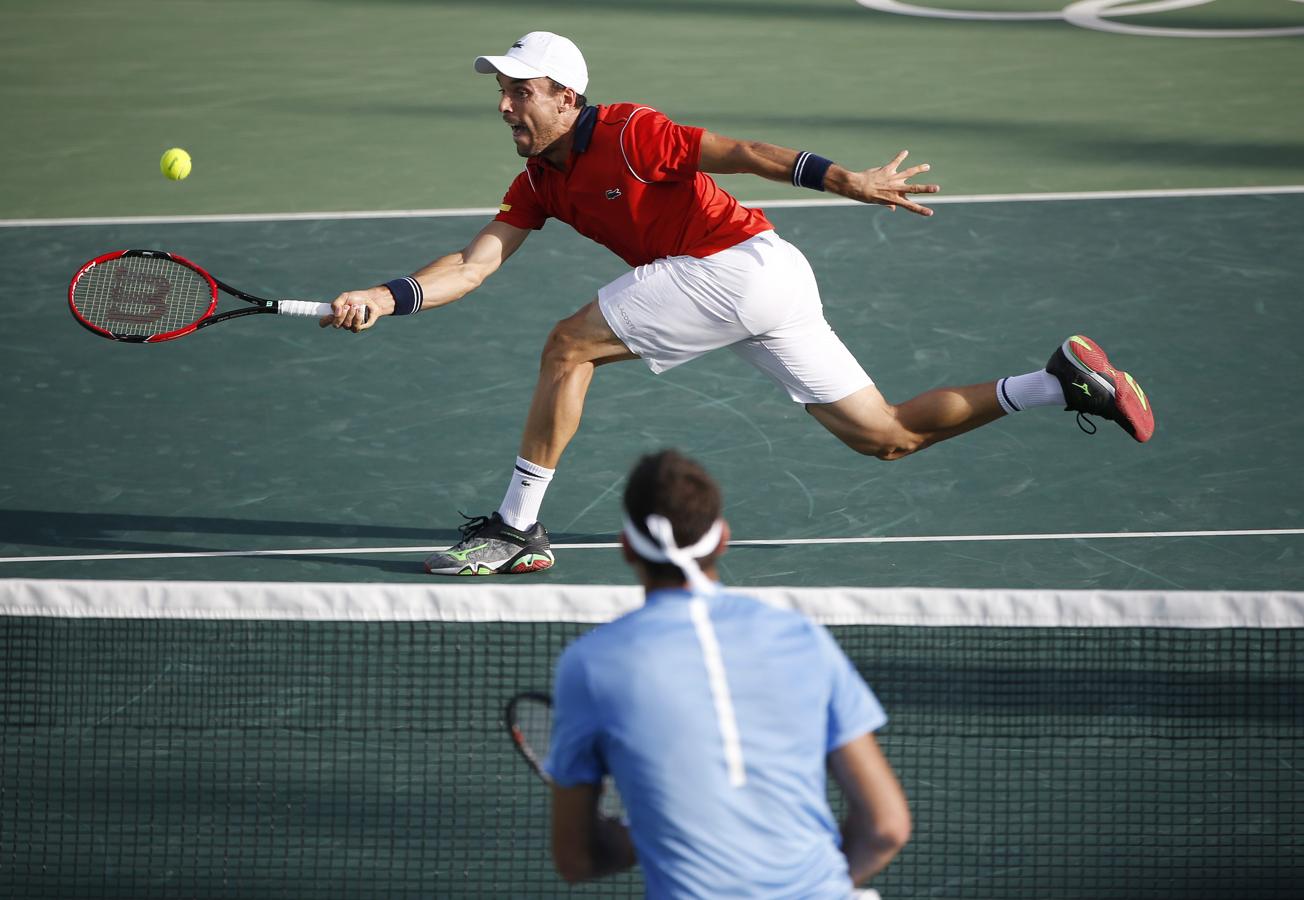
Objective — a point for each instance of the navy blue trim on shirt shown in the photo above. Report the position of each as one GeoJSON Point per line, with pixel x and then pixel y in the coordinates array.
{"type": "Point", "coordinates": [584, 128]}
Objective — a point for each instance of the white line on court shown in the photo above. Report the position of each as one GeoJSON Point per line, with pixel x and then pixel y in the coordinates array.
{"type": "Point", "coordinates": [777, 542]}
{"type": "Point", "coordinates": [768, 204]}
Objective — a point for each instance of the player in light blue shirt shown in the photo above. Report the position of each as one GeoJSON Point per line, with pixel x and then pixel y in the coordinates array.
{"type": "Point", "coordinates": [716, 715]}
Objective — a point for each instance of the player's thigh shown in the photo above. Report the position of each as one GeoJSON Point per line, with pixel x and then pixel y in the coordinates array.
{"type": "Point", "coordinates": [584, 337]}
{"type": "Point", "coordinates": [676, 309]}
{"type": "Point", "coordinates": [790, 340]}
{"type": "Point", "coordinates": [809, 362]}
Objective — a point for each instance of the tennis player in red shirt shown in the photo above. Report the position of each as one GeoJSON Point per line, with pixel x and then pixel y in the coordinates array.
{"type": "Point", "coordinates": [706, 272]}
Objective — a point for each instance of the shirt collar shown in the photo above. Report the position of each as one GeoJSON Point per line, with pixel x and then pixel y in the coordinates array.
{"type": "Point", "coordinates": [583, 128]}
{"type": "Point", "coordinates": [672, 594]}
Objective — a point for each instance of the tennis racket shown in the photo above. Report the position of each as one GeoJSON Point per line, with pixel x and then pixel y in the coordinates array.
{"type": "Point", "coordinates": [147, 296]}
{"type": "Point", "coordinates": [529, 723]}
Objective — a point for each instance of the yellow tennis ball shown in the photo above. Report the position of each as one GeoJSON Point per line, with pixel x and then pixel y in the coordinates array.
{"type": "Point", "coordinates": [175, 164]}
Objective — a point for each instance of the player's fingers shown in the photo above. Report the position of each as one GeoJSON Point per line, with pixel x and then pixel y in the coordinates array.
{"type": "Point", "coordinates": [342, 307]}
{"type": "Point", "coordinates": [356, 318]}
{"type": "Point", "coordinates": [922, 188]}
{"type": "Point", "coordinates": [897, 160]}
{"type": "Point", "coordinates": [916, 208]}
{"type": "Point", "coordinates": [914, 170]}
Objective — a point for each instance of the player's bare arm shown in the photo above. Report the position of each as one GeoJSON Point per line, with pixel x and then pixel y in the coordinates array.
{"type": "Point", "coordinates": [877, 824]}
{"type": "Point", "coordinates": [884, 185]}
{"type": "Point", "coordinates": [585, 843]}
{"type": "Point", "coordinates": [446, 279]}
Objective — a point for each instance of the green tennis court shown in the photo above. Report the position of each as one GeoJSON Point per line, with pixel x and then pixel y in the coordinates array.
{"type": "Point", "coordinates": [330, 727]}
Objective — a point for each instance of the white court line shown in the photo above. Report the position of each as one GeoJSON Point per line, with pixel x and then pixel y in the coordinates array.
{"type": "Point", "coordinates": [764, 204]}
{"type": "Point", "coordinates": [777, 542]}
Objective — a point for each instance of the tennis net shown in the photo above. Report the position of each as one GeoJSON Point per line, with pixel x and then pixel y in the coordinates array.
{"type": "Point", "coordinates": [305, 741]}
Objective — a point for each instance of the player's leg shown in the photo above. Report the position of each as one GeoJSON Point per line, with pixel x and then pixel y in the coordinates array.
{"type": "Point", "coordinates": [511, 540]}
{"type": "Point", "coordinates": [665, 313]}
{"type": "Point", "coordinates": [800, 352]}
{"type": "Point", "coordinates": [1078, 377]}
{"type": "Point", "coordinates": [868, 424]}
{"type": "Point", "coordinates": [576, 346]}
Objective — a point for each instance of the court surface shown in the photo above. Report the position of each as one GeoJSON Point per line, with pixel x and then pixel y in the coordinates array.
{"type": "Point", "coordinates": [345, 458]}
{"type": "Point", "coordinates": [350, 456]}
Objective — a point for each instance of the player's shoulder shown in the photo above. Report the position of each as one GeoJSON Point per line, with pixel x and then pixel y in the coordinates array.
{"type": "Point", "coordinates": [619, 114]}
{"type": "Point", "coordinates": [742, 605]}
{"type": "Point", "coordinates": [602, 639]}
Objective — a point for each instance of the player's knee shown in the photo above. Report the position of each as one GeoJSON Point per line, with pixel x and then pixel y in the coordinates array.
{"type": "Point", "coordinates": [888, 451]}
{"type": "Point", "coordinates": [563, 349]}
{"type": "Point", "coordinates": [881, 437]}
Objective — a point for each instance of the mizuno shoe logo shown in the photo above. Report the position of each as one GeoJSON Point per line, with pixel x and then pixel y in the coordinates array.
{"type": "Point", "coordinates": [1084, 387]}
{"type": "Point", "coordinates": [1140, 394]}
{"type": "Point", "coordinates": [518, 46]}
{"type": "Point", "coordinates": [461, 555]}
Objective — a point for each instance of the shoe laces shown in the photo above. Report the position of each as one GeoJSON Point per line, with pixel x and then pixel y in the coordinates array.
{"type": "Point", "coordinates": [471, 525]}
{"type": "Point", "coordinates": [1085, 423]}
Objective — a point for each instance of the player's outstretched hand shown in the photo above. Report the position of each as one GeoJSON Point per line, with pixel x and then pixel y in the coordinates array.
{"type": "Point", "coordinates": [886, 186]}
{"type": "Point", "coordinates": [358, 310]}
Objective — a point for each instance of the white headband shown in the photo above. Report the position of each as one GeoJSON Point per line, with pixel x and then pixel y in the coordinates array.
{"type": "Point", "coordinates": [665, 550]}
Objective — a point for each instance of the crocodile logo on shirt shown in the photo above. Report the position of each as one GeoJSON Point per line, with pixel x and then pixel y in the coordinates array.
{"type": "Point", "coordinates": [613, 193]}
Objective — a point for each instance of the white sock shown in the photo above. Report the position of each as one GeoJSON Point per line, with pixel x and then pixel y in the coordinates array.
{"type": "Point", "coordinates": [520, 508]}
{"type": "Point", "coordinates": [1019, 392]}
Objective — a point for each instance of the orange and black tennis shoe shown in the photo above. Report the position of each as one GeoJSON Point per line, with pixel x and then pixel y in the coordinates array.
{"type": "Point", "coordinates": [1093, 387]}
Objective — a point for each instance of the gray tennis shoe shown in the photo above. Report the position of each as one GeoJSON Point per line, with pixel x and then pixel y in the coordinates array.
{"type": "Point", "coordinates": [490, 547]}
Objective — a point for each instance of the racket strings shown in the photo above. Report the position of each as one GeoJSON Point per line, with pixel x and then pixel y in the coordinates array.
{"type": "Point", "coordinates": [534, 725]}
{"type": "Point", "coordinates": [142, 296]}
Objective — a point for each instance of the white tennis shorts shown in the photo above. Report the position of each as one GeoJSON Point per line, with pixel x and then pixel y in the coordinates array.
{"type": "Point", "coordinates": [758, 298]}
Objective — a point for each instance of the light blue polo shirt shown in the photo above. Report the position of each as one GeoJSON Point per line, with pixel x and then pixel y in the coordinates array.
{"type": "Point", "coordinates": [635, 698]}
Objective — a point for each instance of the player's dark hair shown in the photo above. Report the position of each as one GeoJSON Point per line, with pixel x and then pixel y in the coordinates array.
{"type": "Point", "coordinates": [580, 100]}
{"type": "Point", "coordinates": [672, 485]}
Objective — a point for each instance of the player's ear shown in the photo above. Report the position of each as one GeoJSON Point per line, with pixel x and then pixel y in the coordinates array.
{"type": "Point", "coordinates": [725, 534]}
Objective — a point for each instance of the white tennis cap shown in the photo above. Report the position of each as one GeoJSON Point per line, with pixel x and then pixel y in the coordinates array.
{"type": "Point", "coordinates": [540, 54]}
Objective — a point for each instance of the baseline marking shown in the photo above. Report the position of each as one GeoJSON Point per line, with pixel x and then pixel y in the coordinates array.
{"type": "Point", "coordinates": [776, 542]}
{"type": "Point", "coordinates": [1150, 194]}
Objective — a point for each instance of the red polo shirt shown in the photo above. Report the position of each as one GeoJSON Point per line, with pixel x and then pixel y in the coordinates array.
{"type": "Point", "coordinates": [632, 184]}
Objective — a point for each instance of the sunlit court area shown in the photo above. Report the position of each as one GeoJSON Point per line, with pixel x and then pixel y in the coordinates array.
{"type": "Point", "coordinates": [224, 669]}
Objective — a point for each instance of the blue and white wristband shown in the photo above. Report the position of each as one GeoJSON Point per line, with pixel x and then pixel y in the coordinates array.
{"type": "Point", "coordinates": [809, 170]}
{"type": "Point", "coordinates": [407, 295]}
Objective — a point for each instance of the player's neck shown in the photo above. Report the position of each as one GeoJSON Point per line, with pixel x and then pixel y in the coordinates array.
{"type": "Point", "coordinates": [651, 585]}
{"type": "Point", "coordinates": [557, 154]}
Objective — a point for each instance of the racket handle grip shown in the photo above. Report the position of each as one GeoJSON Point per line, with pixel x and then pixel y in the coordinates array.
{"type": "Point", "coordinates": [304, 308]}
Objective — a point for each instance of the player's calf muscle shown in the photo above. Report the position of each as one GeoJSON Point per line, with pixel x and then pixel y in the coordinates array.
{"type": "Point", "coordinates": [870, 432]}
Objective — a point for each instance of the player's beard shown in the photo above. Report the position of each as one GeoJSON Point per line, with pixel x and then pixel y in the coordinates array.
{"type": "Point", "coordinates": [540, 140]}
